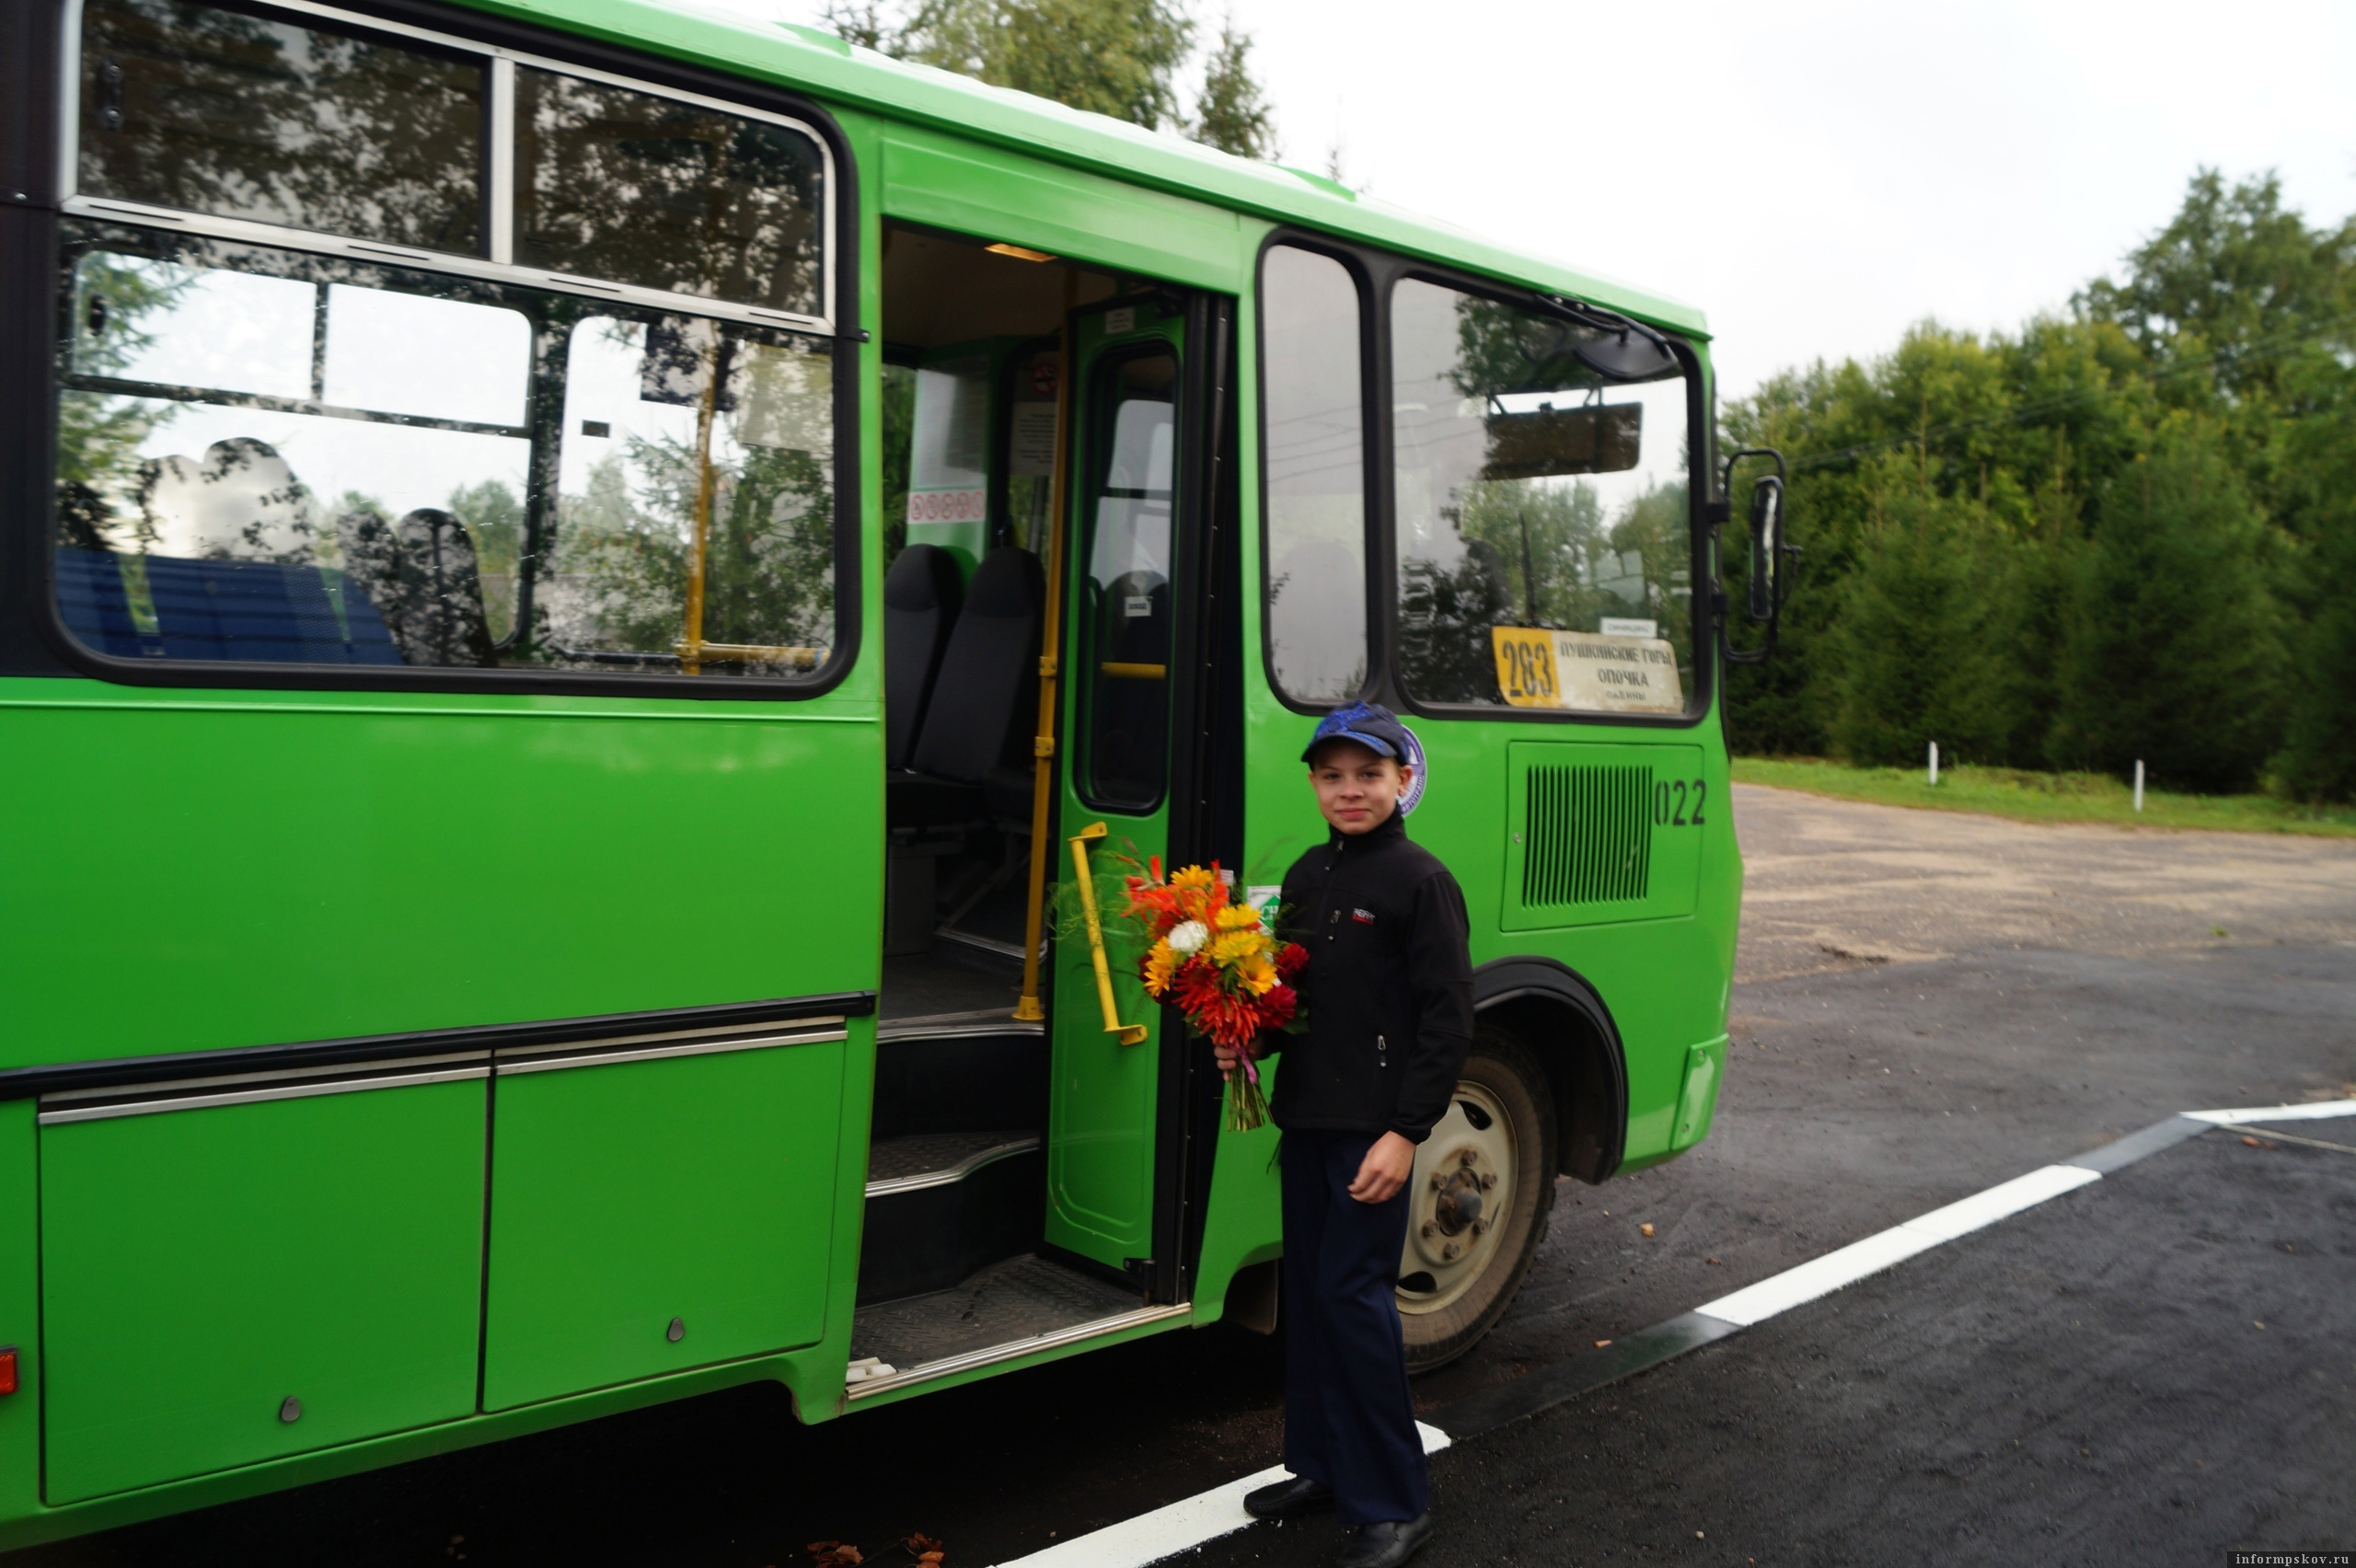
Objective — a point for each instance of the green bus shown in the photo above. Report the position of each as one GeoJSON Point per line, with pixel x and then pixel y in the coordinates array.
{"type": "Point", "coordinates": [573, 578]}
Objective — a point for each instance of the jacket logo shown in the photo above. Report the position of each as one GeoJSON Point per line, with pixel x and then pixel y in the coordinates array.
{"type": "Point", "coordinates": [1363, 916]}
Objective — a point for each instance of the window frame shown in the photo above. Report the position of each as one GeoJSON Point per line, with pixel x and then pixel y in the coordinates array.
{"type": "Point", "coordinates": [498, 176]}
{"type": "Point", "coordinates": [1353, 263]}
{"type": "Point", "coordinates": [34, 328]}
{"type": "Point", "coordinates": [1101, 403]}
{"type": "Point", "coordinates": [1378, 273]}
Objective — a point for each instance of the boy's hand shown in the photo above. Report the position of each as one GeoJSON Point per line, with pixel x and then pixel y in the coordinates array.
{"type": "Point", "coordinates": [1385, 1170]}
{"type": "Point", "coordinates": [1228, 1057]}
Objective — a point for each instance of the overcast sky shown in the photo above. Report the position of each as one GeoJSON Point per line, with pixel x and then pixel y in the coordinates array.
{"type": "Point", "coordinates": [1815, 174]}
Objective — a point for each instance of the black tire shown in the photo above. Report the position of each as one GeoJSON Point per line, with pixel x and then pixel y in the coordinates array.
{"type": "Point", "coordinates": [1458, 1275]}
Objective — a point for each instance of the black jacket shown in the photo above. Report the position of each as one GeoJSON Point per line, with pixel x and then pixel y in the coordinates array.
{"type": "Point", "coordinates": [1388, 987]}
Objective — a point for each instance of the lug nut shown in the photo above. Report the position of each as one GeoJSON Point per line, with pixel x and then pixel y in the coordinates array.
{"type": "Point", "coordinates": [1487, 1183]}
{"type": "Point", "coordinates": [1439, 1180]}
{"type": "Point", "coordinates": [1449, 1252]}
{"type": "Point", "coordinates": [1430, 1229]}
{"type": "Point", "coordinates": [1480, 1227]}
{"type": "Point", "coordinates": [1466, 1156]}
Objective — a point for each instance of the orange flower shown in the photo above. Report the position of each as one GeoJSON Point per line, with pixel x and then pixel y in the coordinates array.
{"type": "Point", "coordinates": [1159, 961]}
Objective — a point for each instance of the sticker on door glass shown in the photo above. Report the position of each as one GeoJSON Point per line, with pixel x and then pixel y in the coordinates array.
{"type": "Point", "coordinates": [1123, 320]}
{"type": "Point", "coordinates": [960, 506]}
{"type": "Point", "coordinates": [1031, 443]}
{"type": "Point", "coordinates": [1598, 672]}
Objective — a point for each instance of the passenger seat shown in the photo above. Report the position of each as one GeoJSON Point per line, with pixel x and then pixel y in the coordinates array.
{"type": "Point", "coordinates": [421, 575]}
{"type": "Point", "coordinates": [920, 599]}
{"type": "Point", "coordinates": [972, 758]}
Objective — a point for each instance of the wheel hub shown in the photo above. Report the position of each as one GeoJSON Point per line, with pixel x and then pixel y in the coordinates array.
{"type": "Point", "coordinates": [1463, 1187]}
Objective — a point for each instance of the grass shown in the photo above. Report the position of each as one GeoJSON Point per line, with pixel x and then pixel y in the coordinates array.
{"type": "Point", "coordinates": [2045, 797]}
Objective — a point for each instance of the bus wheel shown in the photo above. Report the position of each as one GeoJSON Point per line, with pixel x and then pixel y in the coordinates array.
{"type": "Point", "coordinates": [1478, 1202]}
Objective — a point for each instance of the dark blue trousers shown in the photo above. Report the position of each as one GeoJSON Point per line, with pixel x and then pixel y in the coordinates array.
{"type": "Point", "coordinates": [1349, 1421]}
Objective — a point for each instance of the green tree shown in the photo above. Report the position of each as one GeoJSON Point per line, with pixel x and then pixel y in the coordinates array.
{"type": "Point", "coordinates": [1120, 58]}
{"type": "Point", "coordinates": [1233, 114]}
{"type": "Point", "coordinates": [2215, 371]}
{"type": "Point", "coordinates": [1912, 652]}
{"type": "Point", "coordinates": [2172, 654]}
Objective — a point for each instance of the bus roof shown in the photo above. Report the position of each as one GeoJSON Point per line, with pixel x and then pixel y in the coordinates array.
{"type": "Point", "coordinates": [827, 67]}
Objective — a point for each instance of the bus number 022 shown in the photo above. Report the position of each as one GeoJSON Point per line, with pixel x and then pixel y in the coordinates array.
{"type": "Point", "coordinates": [1674, 807]}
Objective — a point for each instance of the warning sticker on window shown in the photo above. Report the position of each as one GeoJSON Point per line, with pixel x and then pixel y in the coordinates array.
{"type": "Point", "coordinates": [960, 506]}
{"type": "Point", "coordinates": [1537, 668]}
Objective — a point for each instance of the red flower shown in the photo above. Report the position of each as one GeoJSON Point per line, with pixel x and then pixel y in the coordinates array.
{"type": "Point", "coordinates": [1277, 1007]}
{"type": "Point", "coordinates": [1291, 959]}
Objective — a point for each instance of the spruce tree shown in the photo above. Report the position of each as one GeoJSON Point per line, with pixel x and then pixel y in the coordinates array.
{"type": "Point", "coordinates": [1233, 114]}
{"type": "Point", "coordinates": [2174, 653]}
{"type": "Point", "coordinates": [1911, 649]}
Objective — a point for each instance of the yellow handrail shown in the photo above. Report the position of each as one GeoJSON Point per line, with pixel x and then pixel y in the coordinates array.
{"type": "Point", "coordinates": [1113, 668]}
{"type": "Point", "coordinates": [1128, 1033]}
{"type": "Point", "coordinates": [1042, 744]}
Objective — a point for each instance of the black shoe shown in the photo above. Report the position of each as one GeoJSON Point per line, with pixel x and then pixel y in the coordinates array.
{"type": "Point", "coordinates": [1383, 1544]}
{"type": "Point", "coordinates": [1288, 1499]}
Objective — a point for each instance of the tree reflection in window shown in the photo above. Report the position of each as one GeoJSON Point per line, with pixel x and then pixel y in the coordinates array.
{"type": "Point", "coordinates": [208, 110]}
{"type": "Point", "coordinates": [268, 457]}
{"type": "Point", "coordinates": [1481, 545]}
{"type": "Point", "coordinates": [695, 527]}
{"type": "Point", "coordinates": [649, 190]}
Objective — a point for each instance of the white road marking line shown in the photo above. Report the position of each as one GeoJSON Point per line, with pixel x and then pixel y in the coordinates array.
{"type": "Point", "coordinates": [1818, 1276]}
{"type": "Point", "coordinates": [1823, 1276]}
{"type": "Point", "coordinates": [2000, 1201]}
{"type": "Point", "coordinates": [2312, 1110]}
{"type": "Point", "coordinates": [1165, 1532]}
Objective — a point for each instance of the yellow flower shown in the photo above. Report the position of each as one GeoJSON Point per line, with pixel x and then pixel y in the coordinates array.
{"type": "Point", "coordinates": [1194, 876]}
{"type": "Point", "coordinates": [1238, 917]}
{"type": "Point", "coordinates": [1230, 947]}
{"type": "Point", "coordinates": [1159, 963]}
{"type": "Point", "coordinates": [1257, 973]}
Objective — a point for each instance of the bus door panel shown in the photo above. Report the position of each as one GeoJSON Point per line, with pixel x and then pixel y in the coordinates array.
{"type": "Point", "coordinates": [257, 1271]}
{"type": "Point", "coordinates": [1119, 606]}
{"type": "Point", "coordinates": [658, 1208]}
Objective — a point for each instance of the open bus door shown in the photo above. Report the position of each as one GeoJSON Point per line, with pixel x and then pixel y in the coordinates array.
{"type": "Point", "coordinates": [1119, 608]}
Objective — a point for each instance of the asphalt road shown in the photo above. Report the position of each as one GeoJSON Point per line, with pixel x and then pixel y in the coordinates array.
{"type": "Point", "coordinates": [1926, 1004]}
{"type": "Point", "coordinates": [2153, 1369]}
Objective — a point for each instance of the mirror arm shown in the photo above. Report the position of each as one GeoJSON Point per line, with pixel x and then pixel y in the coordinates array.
{"type": "Point", "coordinates": [1603, 320]}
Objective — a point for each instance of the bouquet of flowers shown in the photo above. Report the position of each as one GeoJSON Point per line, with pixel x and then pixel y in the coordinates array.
{"type": "Point", "coordinates": [1216, 957]}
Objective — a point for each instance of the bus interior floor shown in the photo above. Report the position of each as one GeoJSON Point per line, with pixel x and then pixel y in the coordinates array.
{"type": "Point", "coordinates": [951, 978]}
{"type": "Point", "coordinates": [1020, 1299]}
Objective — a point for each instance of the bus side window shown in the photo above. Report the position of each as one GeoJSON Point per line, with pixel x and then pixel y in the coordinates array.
{"type": "Point", "coordinates": [214, 112]}
{"type": "Point", "coordinates": [1128, 581]}
{"type": "Point", "coordinates": [270, 469]}
{"type": "Point", "coordinates": [1314, 462]}
{"type": "Point", "coordinates": [627, 186]}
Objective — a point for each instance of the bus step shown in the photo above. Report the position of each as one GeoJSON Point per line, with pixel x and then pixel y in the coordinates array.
{"type": "Point", "coordinates": [1007, 1304]}
{"type": "Point", "coordinates": [941, 1206]}
{"type": "Point", "coordinates": [959, 1081]}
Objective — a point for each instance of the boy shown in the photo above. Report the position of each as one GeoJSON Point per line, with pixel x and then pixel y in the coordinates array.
{"type": "Point", "coordinates": [1389, 990]}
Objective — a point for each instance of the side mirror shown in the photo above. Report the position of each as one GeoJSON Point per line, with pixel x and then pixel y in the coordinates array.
{"type": "Point", "coordinates": [1766, 544]}
{"type": "Point", "coordinates": [1771, 557]}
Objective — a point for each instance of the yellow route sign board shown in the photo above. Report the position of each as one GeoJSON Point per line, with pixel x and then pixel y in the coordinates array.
{"type": "Point", "coordinates": [1586, 670]}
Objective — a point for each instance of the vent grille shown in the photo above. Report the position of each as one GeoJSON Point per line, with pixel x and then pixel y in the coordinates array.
{"type": "Point", "coordinates": [1588, 837]}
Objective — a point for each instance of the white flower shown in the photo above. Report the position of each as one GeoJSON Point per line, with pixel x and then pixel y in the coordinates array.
{"type": "Point", "coordinates": [1188, 937]}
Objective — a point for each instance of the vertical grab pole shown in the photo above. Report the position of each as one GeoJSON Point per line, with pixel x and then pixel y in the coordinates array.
{"type": "Point", "coordinates": [1043, 744]}
{"type": "Point", "coordinates": [1127, 1034]}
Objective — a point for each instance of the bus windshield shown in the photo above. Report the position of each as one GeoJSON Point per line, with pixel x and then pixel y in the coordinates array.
{"type": "Point", "coordinates": [1536, 495]}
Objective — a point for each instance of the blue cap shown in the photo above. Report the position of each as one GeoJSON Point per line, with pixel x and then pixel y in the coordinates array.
{"type": "Point", "coordinates": [1378, 728]}
{"type": "Point", "coordinates": [1370, 724]}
